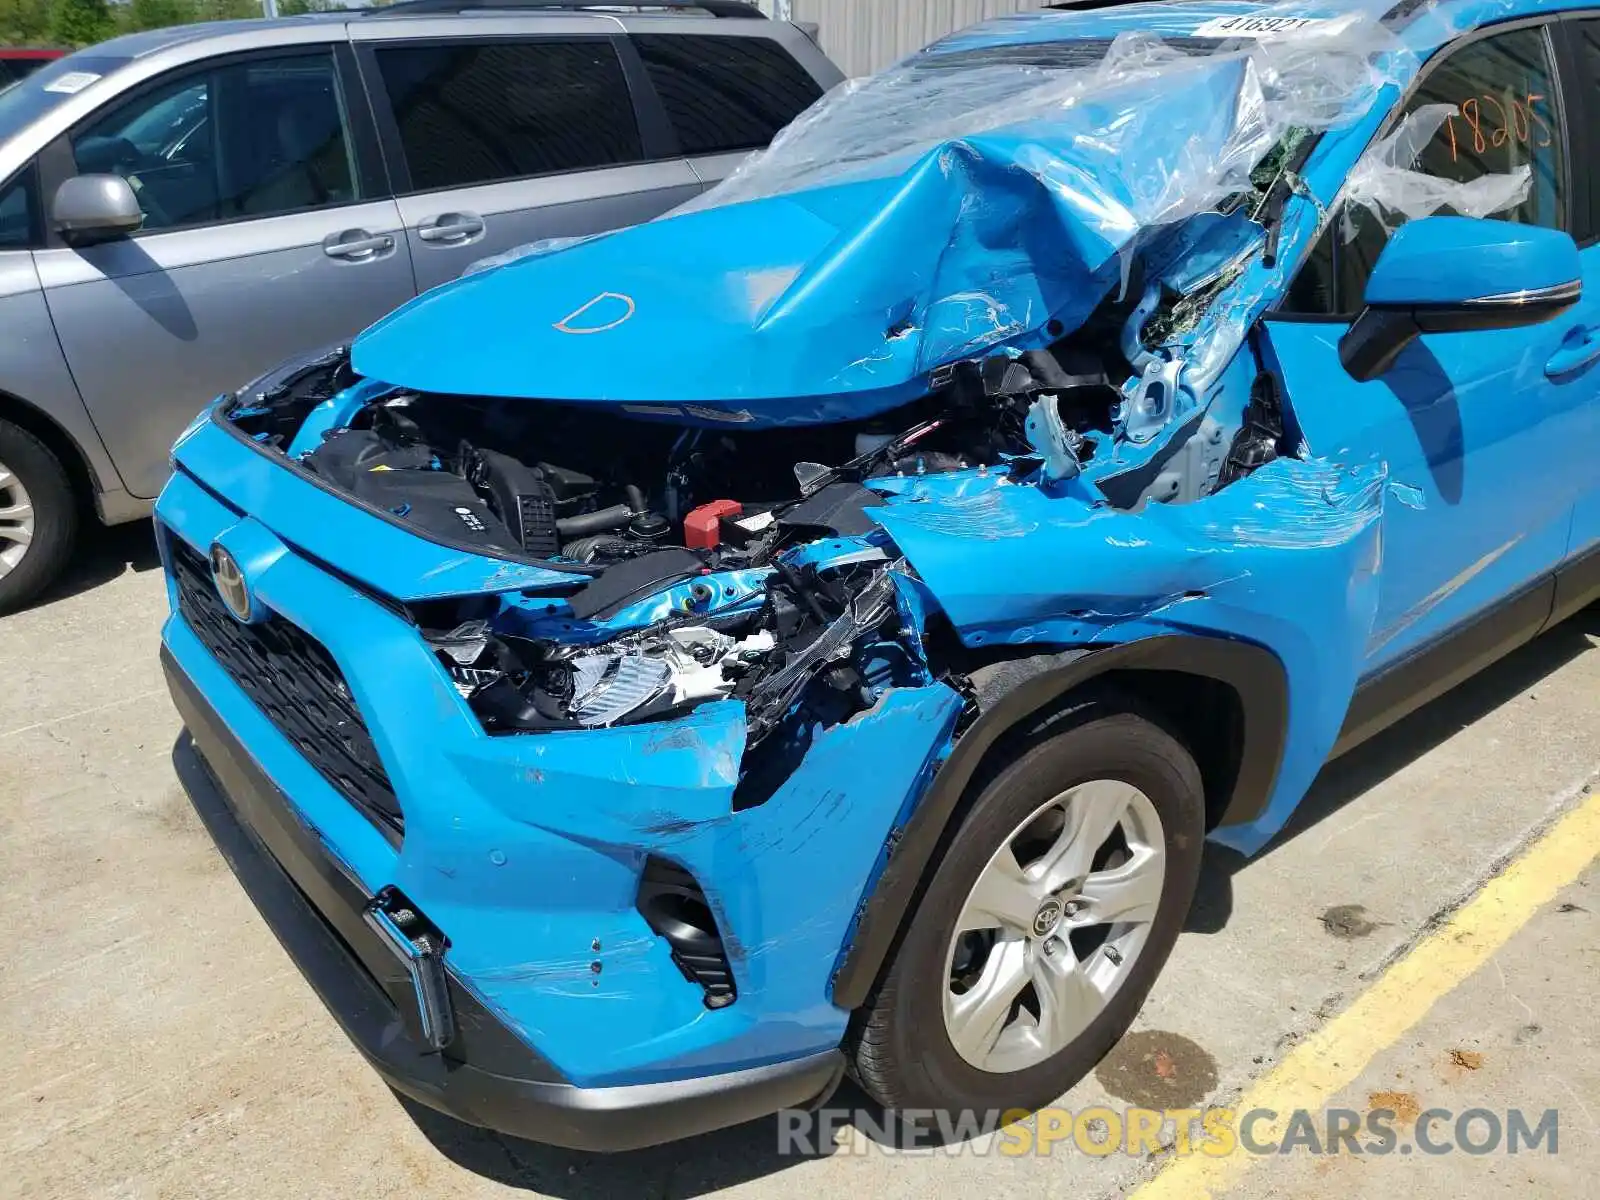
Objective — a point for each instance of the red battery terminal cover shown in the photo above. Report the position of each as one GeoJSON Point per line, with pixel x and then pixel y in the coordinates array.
{"type": "Point", "coordinates": [702, 529]}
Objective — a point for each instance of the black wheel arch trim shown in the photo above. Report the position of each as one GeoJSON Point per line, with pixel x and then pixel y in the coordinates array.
{"type": "Point", "coordinates": [81, 469]}
{"type": "Point", "coordinates": [1020, 691]}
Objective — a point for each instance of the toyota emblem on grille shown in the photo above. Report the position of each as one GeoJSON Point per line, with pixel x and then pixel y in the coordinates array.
{"type": "Point", "coordinates": [230, 583]}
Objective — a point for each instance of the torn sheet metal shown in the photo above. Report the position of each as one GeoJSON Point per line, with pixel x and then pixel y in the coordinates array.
{"type": "Point", "coordinates": [1287, 558]}
{"type": "Point", "coordinates": [986, 193]}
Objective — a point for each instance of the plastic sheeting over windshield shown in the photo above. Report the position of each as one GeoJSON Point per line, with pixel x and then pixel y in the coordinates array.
{"type": "Point", "coordinates": [1150, 114]}
{"type": "Point", "coordinates": [1081, 114]}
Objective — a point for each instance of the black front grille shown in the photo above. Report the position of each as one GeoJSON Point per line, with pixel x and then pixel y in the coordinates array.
{"type": "Point", "coordinates": [293, 680]}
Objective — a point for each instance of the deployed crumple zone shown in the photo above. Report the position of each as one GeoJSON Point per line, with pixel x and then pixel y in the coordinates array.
{"type": "Point", "coordinates": [955, 372]}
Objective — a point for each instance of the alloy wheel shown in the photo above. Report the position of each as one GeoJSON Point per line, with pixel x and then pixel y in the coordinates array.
{"type": "Point", "coordinates": [16, 521]}
{"type": "Point", "coordinates": [1053, 925]}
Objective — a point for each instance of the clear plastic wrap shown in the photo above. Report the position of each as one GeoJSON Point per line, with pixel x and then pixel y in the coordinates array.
{"type": "Point", "coordinates": [1386, 183]}
{"type": "Point", "coordinates": [1159, 121]}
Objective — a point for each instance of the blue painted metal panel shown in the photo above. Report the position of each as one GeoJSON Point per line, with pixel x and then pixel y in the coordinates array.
{"type": "Point", "coordinates": [837, 301]}
{"type": "Point", "coordinates": [1482, 445]}
{"type": "Point", "coordinates": [1289, 559]}
{"type": "Point", "coordinates": [527, 849]}
{"type": "Point", "coordinates": [1447, 260]}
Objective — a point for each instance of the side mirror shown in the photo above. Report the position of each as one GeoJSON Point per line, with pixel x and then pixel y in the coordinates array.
{"type": "Point", "coordinates": [1459, 275]}
{"type": "Point", "coordinates": [93, 208]}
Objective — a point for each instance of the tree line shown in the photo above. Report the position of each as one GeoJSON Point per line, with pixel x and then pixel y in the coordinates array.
{"type": "Point", "coordinates": [75, 23]}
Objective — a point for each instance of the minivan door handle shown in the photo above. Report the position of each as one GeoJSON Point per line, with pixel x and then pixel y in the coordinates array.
{"type": "Point", "coordinates": [452, 229]}
{"type": "Point", "coordinates": [357, 245]}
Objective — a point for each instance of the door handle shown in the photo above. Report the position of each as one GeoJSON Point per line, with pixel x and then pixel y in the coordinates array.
{"type": "Point", "coordinates": [357, 245]}
{"type": "Point", "coordinates": [1578, 349]}
{"type": "Point", "coordinates": [452, 229]}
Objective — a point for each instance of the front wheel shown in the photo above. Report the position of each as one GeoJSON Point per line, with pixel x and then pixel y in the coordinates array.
{"type": "Point", "coordinates": [1045, 925]}
{"type": "Point", "coordinates": [38, 516]}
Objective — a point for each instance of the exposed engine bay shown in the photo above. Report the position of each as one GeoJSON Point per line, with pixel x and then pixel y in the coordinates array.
{"type": "Point", "coordinates": [598, 489]}
{"type": "Point", "coordinates": [705, 561]}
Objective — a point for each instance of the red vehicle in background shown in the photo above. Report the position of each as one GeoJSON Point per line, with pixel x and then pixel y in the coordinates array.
{"type": "Point", "coordinates": [17, 61]}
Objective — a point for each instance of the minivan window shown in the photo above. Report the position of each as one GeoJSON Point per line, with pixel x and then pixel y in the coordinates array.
{"type": "Point", "coordinates": [16, 212]}
{"type": "Point", "coordinates": [726, 93]}
{"type": "Point", "coordinates": [247, 139]}
{"type": "Point", "coordinates": [476, 112]}
{"type": "Point", "coordinates": [25, 102]}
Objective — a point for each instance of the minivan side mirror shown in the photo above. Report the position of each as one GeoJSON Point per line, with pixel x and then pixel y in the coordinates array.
{"type": "Point", "coordinates": [93, 208]}
{"type": "Point", "coordinates": [1459, 275]}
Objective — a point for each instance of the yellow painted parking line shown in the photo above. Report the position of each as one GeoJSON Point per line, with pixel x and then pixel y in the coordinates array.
{"type": "Point", "coordinates": [1335, 1055]}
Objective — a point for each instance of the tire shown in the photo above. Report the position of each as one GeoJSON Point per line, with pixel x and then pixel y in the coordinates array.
{"type": "Point", "coordinates": [34, 489]}
{"type": "Point", "coordinates": [903, 1052]}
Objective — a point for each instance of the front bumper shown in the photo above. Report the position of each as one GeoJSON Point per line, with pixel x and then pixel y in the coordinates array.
{"type": "Point", "coordinates": [314, 906]}
{"type": "Point", "coordinates": [529, 852]}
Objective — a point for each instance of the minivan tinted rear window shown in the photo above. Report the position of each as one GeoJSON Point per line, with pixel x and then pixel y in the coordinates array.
{"type": "Point", "coordinates": [726, 93]}
{"type": "Point", "coordinates": [476, 112]}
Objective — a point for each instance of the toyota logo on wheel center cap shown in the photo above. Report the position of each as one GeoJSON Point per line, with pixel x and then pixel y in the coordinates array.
{"type": "Point", "coordinates": [230, 583]}
{"type": "Point", "coordinates": [1046, 919]}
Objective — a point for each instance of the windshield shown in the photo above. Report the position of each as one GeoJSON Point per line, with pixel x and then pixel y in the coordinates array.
{"type": "Point", "coordinates": [23, 103]}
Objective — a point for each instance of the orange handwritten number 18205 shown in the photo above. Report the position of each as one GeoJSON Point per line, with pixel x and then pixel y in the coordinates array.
{"type": "Point", "coordinates": [1522, 123]}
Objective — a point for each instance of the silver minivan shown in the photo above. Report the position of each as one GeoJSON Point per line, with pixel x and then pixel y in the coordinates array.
{"type": "Point", "coordinates": [185, 208]}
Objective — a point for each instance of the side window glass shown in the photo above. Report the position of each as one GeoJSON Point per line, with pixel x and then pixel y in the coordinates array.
{"type": "Point", "coordinates": [16, 213]}
{"type": "Point", "coordinates": [472, 113]}
{"type": "Point", "coordinates": [250, 139]}
{"type": "Point", "coordinates": [1583, 90]}
{"type": "Point", "coordinates": [1502, 91]}
{"type": "Point", "coordinates": [725, 93]}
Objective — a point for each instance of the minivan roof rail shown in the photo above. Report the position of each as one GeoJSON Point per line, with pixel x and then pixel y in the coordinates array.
{"type": "Point", "coordinates": [711, 8]}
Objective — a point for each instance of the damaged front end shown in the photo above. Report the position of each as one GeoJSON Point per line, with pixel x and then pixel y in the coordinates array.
{"type": "Point", "coordinates": [670, 570]}
{"type": "Point", "coordinates": [683, 565]}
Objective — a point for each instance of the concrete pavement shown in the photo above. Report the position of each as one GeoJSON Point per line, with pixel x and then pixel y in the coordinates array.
{"type": "Point", "coordinates": [1518, 1034]}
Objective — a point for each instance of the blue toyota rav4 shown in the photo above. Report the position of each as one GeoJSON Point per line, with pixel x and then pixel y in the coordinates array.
{"type": "Point", "coordinates": [817, 630]}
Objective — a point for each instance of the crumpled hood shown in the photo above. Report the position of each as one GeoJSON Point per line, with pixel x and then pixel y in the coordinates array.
{"type": "Point", "coordinates": [837, 301]}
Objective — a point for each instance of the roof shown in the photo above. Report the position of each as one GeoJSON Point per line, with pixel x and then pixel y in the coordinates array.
{"type": "Point", "coordinates": [152, 41]}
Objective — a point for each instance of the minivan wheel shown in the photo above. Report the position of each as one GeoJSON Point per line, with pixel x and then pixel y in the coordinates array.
{"type": "Point", "coordinates": [1046, 923]}
{"type": "Point", "coordinates": [38, 516]}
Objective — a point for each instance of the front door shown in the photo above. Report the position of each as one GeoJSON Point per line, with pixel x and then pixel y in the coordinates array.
{"type": "Point", "coordinates": [1478, 431]}
{"type": "Point", "coordinates": [263, 238]}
